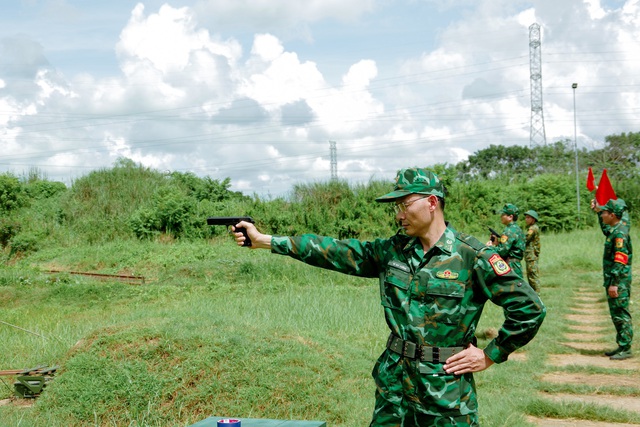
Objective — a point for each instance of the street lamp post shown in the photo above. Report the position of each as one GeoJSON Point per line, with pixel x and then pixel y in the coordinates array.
{"type": "Point", "coordinates": [575, 147]}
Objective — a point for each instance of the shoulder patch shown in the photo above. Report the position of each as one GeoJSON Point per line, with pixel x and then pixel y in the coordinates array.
{"type": "Point", "coordinates": [619, 242]}
{"type": "Point", "coordinates": [499, 265]}
{"type": "Point", "coordinates": [504, 238]}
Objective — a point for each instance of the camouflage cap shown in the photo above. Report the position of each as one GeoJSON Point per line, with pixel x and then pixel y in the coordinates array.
{"type": "Point", "coordinates": [414, 181]}
{"type": "Point", "coordinates": [615, 206]}
{"type": "Point", "coordinates": [533, 214]}
{"type": "Point", "coordinates": [510, 209]}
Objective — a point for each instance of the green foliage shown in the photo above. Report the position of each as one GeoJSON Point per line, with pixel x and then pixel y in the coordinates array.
{"type": "Point", "coordinates": [554, 198]}
{"type": "Point", "coordinates": [499, 160]}
{"type": "Point", "coordinates": [11, 193]}
{"type": "Point", "coordinates": [23, 243]}
{"type": "Point", "coordinates": [145, 223]}
{"type": "Point", "coordinates": [336, 209]}
{"type": "Point", "coordinates": [8, 229]}
{"type": "Point", "coordinates": [172, 209]}
{"type": "Point", "coordinates": [130, 200]}
{"type": "Point", "coordinates": [44, 189]}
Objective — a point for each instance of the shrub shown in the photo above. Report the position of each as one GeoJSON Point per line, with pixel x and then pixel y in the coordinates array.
{"type": "Point", "coordinates": [8, 229]}
{"type": "Point", "coordinates": [23, 243]}
{"type": "Point", "coordinates": [11, 193]}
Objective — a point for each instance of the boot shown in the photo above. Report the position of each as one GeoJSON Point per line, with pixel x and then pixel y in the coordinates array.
{"type": "Point", "coordinates": [613, 352]}
{"type": "Point", "coordinates": [622, 355]}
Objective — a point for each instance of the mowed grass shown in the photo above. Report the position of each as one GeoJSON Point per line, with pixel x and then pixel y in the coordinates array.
{"type": "Point", "coordinates": [219, 330]}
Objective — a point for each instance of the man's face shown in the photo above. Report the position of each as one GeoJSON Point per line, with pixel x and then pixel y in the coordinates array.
{"type": "Point", "coordinates": [529, 219]}
{"type": "Point", "coordinates": [506, 219]}
{"type": "Point", "coordinates": [413, 213]}
{"type": "Point", "coordinates": [608, 218]}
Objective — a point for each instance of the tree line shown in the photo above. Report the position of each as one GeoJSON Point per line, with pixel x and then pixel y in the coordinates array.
{"type": "Point", "coordinates": [130, 201]}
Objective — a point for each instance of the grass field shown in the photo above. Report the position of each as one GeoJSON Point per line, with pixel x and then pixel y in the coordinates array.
{"type": "Point", "coordinates": [219, 330]}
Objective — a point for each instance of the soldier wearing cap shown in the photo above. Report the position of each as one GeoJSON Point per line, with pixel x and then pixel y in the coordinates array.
{"type": "Point", "coordinates": [616, 268]}
{"type": "Point", "coordinates": [511, 244]}
{"type": "Point", "coordinates": [434, 282]}
{"type": "Point", "coordinates": [532, 249]}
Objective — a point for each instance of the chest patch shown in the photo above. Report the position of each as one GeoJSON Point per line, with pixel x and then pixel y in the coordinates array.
{"type": "Point", "coordinates": [499, 265]}
{"type": "Point", "coordinates": [447, 274]}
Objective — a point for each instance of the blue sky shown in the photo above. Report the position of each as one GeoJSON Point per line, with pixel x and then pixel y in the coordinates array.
{"type": "Point", "coordinates": [254, 90]}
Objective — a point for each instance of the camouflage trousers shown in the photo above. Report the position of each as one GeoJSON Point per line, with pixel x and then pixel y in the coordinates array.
{"type": "Point", "coordinates": [621, 317]}
{"type": "Point", "coordinates": [415, 394]}
{"type": "Point", "coordinates": [388, 414]}
{"type": "Point", "coordinates": [533, 273]}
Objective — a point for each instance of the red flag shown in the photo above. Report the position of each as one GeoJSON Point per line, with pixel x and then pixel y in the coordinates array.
{"type": "Point", "coordinates": [591, 182]}
{"type": "Point", "coordinates": [605, 192]}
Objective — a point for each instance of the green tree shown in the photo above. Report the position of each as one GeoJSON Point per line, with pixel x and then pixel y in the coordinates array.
{"type": "Point", "coordinates": [11, 193]}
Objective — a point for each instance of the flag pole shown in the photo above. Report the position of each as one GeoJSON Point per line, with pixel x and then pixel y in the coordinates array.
{"type": "Point", "coordinates": [575, 145]}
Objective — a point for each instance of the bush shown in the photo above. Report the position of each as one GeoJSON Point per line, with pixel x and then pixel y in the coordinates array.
{"type": "Point", "coordinates": [8, 229]}
{"type": "Point", "coordinates": [24, 243]}
{"type": "Point", "coordinates": [11, 193]}
{"type": "Point", "coordinates": [44, 189]}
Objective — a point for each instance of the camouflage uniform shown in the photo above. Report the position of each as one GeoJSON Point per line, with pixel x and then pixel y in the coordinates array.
{"type": "Point", "coordinates": [429, 299]}
{"type": "Point", "coordinates": [512, 242]}
{"type": "Point", "coordinates": [532, 252]}
{"type": "Point", "coordinates": [616, 268]}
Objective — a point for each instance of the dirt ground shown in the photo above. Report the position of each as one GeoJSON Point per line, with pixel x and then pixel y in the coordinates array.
{"type": "Point", "coordinates": [590, 320]}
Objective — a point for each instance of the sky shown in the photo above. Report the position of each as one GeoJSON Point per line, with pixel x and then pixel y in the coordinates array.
{"type": "Point", "coordinates": [257, 90]}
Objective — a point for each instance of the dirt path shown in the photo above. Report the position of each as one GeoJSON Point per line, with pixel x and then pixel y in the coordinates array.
{"type": "Point", "coordinates": [591, 335]}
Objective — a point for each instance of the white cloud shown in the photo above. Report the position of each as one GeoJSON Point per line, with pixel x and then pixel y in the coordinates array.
{"type": "Point", "coordinates": [270, 15]}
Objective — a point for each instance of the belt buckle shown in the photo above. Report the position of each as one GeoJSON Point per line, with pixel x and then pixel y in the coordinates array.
{"type": "Point", "coordinates": [430, 354]}
{"type": "Point", "coordinates": [409, 349]}
{"type": "Point", "coordinates": [435, 354]}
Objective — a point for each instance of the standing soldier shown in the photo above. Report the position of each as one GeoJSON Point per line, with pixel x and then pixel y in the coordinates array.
{"type": "Point", "coordinates": [616, 268]}
{"type": "Point", "coordinates": [511, 244]}
{"type": "Point", "coordinates": [434, 282]}
{"type": "Point", "coordinates": [532, 250]}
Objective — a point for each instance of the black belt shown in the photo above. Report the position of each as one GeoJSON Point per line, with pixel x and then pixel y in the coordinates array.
{"type": "Point", "coordinates": [424, 353]}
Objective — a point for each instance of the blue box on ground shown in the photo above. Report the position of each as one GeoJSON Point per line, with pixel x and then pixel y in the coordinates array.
{"type": "Point", "coordinates": [256, 422]}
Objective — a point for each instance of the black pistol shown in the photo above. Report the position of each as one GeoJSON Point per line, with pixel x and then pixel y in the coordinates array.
{"type": "Point", "coordinates": [232, 220]}
{"type": "Point", "coordinates": [494, 234]}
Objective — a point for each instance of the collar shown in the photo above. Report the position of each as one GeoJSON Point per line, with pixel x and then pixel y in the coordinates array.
{"type": "Point", "coordinates": [445, 243]}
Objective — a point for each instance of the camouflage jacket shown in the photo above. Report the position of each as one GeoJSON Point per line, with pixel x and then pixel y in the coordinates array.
{"type": "Point", "coordinates": [434, 298]}
{"type": "Point", "coordinates": [618, 254]}
{"type": "Point", "coordinates": [512, 242]}
{"type": "Point", "coordinates": [532, 250]}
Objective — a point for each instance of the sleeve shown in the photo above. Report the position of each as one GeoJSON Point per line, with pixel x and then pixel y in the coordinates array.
{"type": "Point", "coordinates": [523, 309]}
{"type": "Point", "coordinates": [349, 256]}
{"type": "Point", "coordinates": [507, 239]}
{"type": "Point", "coordinates": [531, 234]}
{"type": "Point", "coordinates": [606, 230]}
{"type": "Point", "coordinates": [620, 267]}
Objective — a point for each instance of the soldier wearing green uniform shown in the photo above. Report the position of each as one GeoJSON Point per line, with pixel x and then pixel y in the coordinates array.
{"type": "Point", "coordinates": [511, 244]}
{"type": "Point", "coordinates": [532, 249]}
{"type": "Point", "coordinates": [616, 268]}
{"type": "Point", "coordinates": [434, 282]}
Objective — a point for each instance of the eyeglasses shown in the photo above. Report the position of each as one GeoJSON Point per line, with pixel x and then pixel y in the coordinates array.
{"type": "Point", "coordinates": [402, 206]}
